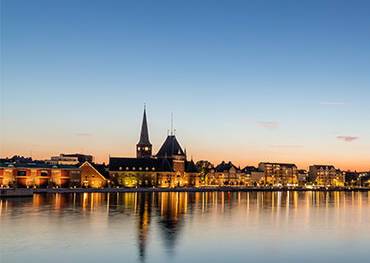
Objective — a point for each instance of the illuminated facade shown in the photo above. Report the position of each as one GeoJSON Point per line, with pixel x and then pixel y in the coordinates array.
{"type": "Point", "coordinates": [226, 174]}
{"type": "Point", "coordinates": [326, 176]}
{"type": "Point", "coordinates": [70, 159]}
{"type": "Point", "coordinates": [279, 174]}
{"type": "Point", "coordinates": [254, 177]}
{"type": "Point", "coordinates": [93, 175]}
{"type": "Point", "coordinates": [168, 168]}
{"type": "Point", "coordinates": [36, 175]}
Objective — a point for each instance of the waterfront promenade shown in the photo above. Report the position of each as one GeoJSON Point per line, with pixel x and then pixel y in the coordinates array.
{"type": "Point", "coordinates": [194, 189]}
{"type": "Point", "coordinates": [26, 192]}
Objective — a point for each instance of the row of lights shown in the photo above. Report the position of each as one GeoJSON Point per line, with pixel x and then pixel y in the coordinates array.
{"type": "Point", "coordinates": [140, 168]}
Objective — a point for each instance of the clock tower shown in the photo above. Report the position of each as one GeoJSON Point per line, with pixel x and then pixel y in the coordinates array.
{"type": "Point", "coordinates": [144, 147]}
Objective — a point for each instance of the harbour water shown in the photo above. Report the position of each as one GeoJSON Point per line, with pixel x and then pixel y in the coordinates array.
{"type": "Point", "coordinates": [186, 227]}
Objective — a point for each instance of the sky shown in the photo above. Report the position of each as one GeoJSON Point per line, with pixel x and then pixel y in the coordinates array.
{"type": "Point", "coordinates": [246, 81]}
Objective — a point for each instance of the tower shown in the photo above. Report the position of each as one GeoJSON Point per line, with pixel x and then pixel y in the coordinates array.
{"type": "Point", "coordinates": [144, 147]}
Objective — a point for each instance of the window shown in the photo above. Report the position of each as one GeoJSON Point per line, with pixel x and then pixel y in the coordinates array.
{"type": "Point", "coordinates": [44, 173]}
{"type": "Point", "coordinates": [21, 173]}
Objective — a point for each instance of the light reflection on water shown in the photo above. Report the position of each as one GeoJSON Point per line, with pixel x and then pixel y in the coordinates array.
{"type": "Point", "coordinates": [187, 227]}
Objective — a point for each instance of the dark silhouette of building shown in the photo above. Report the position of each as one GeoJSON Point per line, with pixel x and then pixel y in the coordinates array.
{"type": "Point", "coordinates": [144, 147]}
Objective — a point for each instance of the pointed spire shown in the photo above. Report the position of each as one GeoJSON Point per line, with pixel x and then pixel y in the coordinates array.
{"type": "Point", "coordinates": [144, 135]}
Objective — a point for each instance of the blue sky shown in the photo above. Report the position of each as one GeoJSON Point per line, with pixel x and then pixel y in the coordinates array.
{"type": "Point", "coordinates": [247, 81]}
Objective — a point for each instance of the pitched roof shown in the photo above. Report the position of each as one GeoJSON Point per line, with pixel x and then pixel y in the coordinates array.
{"type": "Point", "coordinates": [102, 169]}
{"type": "Point", "coordinates": [323, 166]}
{"type": "Point", "coordinates": [170, 147]}
{"type": "Point", "coordinates": [190, 167]}
{"type": "Point", "coordinates": [144, 135]}
{"type": "Point", "coordinates": [288, 165]}
{"type": "Point", "coordinates": [225, 167]}
{"type": "Point", "coordinates": [38, 165]}
{"type": "Point", "coordinates": [249, 169]}
{"type": "Point", "coordinates": [139, 164]}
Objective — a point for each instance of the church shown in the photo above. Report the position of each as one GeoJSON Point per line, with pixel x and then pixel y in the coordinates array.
{"type": "Point", "coordinates": [168, 168]}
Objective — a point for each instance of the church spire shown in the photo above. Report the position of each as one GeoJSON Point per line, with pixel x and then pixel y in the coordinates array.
{"type": "Point", "coordinates": [144, 135]}
{"type": "Point", "coordinates": [144, 147]}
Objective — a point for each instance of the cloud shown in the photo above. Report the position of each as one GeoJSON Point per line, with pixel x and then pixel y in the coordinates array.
{"type": "Point", "coordinates": [83, 134]}
{"type": "Point", "coordinates": [347, 138]}
{"type": "Point", "coordinates": [268, 124]}
{"type": "Point", "coordinates": [332, 103]}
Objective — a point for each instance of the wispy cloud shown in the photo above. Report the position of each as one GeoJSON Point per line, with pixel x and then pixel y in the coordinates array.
{"type": "Point", "coordinates": [83, 134]}
{"type": "Point", "coordinates": [332, 103]}
{"type": "Point", "coordinates": [347, 138]}
{"type": "Point", "coordinates": [287, 146]}
{"type": "Point", "coordinates": [268, 124]}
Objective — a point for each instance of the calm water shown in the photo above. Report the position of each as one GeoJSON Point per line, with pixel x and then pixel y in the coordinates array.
{"type": "Point", "coordinates": [187, 227]}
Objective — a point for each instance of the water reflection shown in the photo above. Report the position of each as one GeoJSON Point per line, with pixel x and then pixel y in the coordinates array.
{"type": "Point", "coordinates": [163, 220]}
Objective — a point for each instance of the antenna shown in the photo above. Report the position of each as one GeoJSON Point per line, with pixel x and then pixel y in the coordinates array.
{"type": "Point", "coordinates": [144, 106]}
{"type": "Point", "coordinates": [171, 123]}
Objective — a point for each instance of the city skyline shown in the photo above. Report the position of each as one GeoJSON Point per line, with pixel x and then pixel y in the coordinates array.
{"type": "Point", "coordinates": [247, 82]}
{"type": "Point", "coordinates": [172, 131]}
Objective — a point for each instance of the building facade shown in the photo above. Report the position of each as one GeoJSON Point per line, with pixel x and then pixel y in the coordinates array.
{"type": "Point", "coordinates": [326, 176]}
{"type": "Point", "coordinates": [93, 175]}
{"type": "Point", "coordinates": [254, 176]}
{"type": "Point", "coordinates": [36, 175]}
{"type": "Point", "coordinates": [226, 174]}
{"type": "Point", "coordinates": [168, 168]}
{"type": "Point", "coordinates": [70, 159]}
{"type": "Point", "coordinates": [279, 174]}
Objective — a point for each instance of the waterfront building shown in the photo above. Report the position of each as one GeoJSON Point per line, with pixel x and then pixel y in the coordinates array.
{"type": "Point", "coordinates": [254, 176]}
{"type": "Point", "coordinates": [326, 176]}
{"type": "Point", "coordinates": [168, 168]}
{"type": "Point", "coordinates": [70, 159]}
{"type": "Point", "coordinates": [226, 174]}
{"type": "Point", "coordinates": [92, 175]}
{"type": "Point", "coordinates": [302, 177]}
{"type": "Point", "coordinates": [352, 178]}
{"type": "Point", "coordinates": [36, 174]}
{"type": "Point", "coordinates": [279, 174]}
{"type": "Point", "coordinates": [364, 178]}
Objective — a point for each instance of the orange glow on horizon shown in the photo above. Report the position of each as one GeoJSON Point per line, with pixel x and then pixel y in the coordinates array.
{"type": "Point", "coordinates": [355, 164]}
